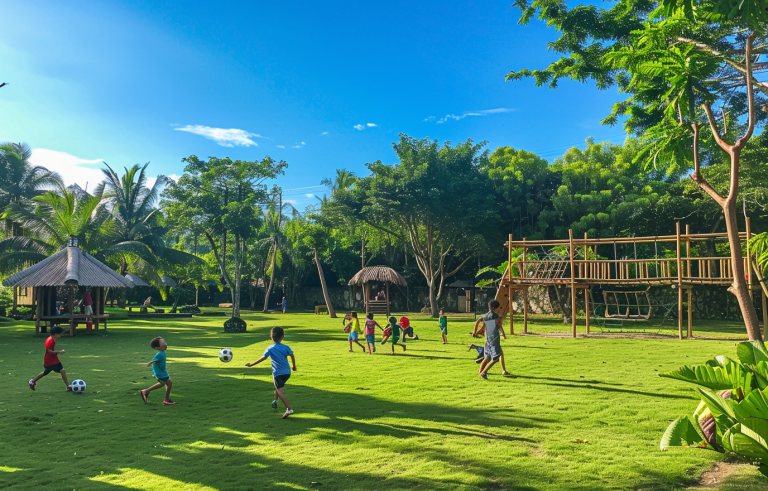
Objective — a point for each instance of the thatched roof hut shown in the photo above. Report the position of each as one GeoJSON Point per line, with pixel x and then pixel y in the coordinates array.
{"type": "Point", "coordinates": [56, 281]}
{"type": "Point", "coordinates": [374, 274]}
{"type": "Point", "coordinates": [377, 302]}
{"type": "Point", "coordinates": [135, 280]}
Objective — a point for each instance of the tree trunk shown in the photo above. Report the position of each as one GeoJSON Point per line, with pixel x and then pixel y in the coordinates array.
{"type": "Point", "coordinates": [326, 294]}
{"type": "Point", "coordinates": [271, 277]}
{"type": "Point", "coordinates": [197, 296]}
{"type": "Point", "coordinates": [739, 287]}
{"type": "Point", "coordinates": [236, 290]}
{"type": "Point", "coordinates": [432, 299]}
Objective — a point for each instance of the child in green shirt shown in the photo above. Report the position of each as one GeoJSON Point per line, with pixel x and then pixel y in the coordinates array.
{"type": "Point", "coordinates": [443, 323]}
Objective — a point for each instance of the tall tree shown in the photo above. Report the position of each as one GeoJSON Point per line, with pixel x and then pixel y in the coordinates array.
{"type": "Point", "coordinates": [678, 59]}
{"type": "Point", "coordinates": [20, 181]}
{"type": "Point", "coordinates": [435, 199]}
{"type": "Point", "coordinates": [220, 197]}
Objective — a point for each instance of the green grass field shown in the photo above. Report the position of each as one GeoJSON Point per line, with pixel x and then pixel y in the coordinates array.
{"type": "Point", "coordinates": [419, 420]}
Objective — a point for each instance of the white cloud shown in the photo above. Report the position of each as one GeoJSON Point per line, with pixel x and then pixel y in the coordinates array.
{"type": "Point", "coordinates": [280, 146]}
{"type": "Point", "coordinates": [303, 143]}
{"type": "Point", "coordinates": [223, 136]}
{"type": "Point", "coordinates": [309, 195]}
{"type": "Point", "coordinates": [324, 133]}
{"type": "Point", "coordinates": [370, 125]}
{"type": "Point", "coordinates": [359, 127]}
{"type": "Point", "coordinates": [483, 112]}
{"type": "Point", "coordinates": [298, 145]}
{"type": "Point", "coordinates": [74, 170]}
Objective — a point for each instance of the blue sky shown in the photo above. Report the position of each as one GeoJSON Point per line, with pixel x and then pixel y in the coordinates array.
{"type": "Point", "coordinates": [320, 85]}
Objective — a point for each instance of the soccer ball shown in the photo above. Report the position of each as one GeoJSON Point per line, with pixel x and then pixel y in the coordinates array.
{"type": "Point", "coordinates": [78, 386]}
{"type": "Point", "coordinates": [226, 355]}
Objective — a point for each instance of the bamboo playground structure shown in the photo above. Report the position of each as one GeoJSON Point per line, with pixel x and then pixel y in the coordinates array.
{"type": "Point", "coordinates": [577, 266]}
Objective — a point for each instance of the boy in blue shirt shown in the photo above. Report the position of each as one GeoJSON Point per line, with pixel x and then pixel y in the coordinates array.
{"type": "Point", "coordinates": [159, 371]}
{"type": "Point", "coordinates": [281, 372]}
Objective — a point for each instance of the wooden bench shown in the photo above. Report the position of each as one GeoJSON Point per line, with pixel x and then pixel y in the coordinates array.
{"type": "Point", "coordinates": [73, 321]}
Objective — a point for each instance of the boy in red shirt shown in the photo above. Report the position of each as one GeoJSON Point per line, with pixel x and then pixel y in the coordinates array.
{"type": "Point", "coordinates": [51, 361]}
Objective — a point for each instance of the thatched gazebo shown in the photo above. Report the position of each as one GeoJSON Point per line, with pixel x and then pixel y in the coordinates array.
{"type": "Point", "coordinates": [373, 279]}
{"type": "Point", "coordinates": [58, 278]}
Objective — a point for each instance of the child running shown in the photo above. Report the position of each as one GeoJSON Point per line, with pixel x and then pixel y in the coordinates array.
{"type": "Point", "coordinates": [370, 333]}
{"type": "Point", "coordinates": [51, 361]}
{"type": "Point", "coordinates": [443, 323]}
{"type": "Point", "coordinates": [494, 331]}
{"type": "Point", "coordinates": [354, 331]}
{"type": "Point", "coordinates": [395, 327]}
{"type": "Point", "coordinates": [159, 371]}
{"type": "Point", "coordinates": [278, 353]}
{"type": "Point", "coordinates": [405, 323]}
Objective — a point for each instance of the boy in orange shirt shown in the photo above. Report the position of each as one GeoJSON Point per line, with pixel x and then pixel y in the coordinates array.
{"type": "Point", "coordinates": [51, 361]}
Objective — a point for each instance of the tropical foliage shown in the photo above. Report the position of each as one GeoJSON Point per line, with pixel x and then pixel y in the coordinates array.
{"type": "Point", "coordinates": [732, 416]}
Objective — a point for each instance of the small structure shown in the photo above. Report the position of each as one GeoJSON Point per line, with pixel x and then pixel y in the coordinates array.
{"type": "Point", "coordinates": [57, 279]}
{"type": "Point", "coordinates": [375, 282]}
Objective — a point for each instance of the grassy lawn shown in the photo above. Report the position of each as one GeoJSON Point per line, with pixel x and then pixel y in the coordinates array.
{"type": "Point", "coordinates": [419, 420]}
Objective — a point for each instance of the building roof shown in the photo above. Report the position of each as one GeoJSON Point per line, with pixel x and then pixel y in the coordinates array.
{"type": "Point", "coordinates": [69, 266]}
{"type": "Point", "coordinates": [377, 273]}
{"type": "Point", "coordinates": [168, 281]}
{"type": "Point", "coordinates": [135, 280]}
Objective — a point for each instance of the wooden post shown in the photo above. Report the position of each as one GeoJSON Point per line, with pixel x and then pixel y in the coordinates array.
{"type": "Point", "coordinates": [586, 306]}
{"type": "Point", "coordinates": [525, 310]}
{"type": "Point", "coordinates": [38, 305]}
{"type": "Point", "coordinates": [511, 310]}
{"type": "Point", "coordinates": [387, 294]}
{"type": "Point", "coordinates": [71, 311]}
{"type": "Point", "coordinates": [15, 299]}
{"type": "Point", "coordinates": [765, 313]}
{"type": "Point", "coordinates": [690, 313]}
{"type": "Point", "coordinates": [688, 251]}
{"type": "Point", "coordinates": [749, 258]}
{"type": "Point", "coordinates": [573, 284]}
{"type": "Point", "coordinates": [679, 287]}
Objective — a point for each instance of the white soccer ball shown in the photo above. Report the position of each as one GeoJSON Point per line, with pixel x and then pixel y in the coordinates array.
{"type": "Point", "coordinates": [226, 355]}
{"type": "Point", "coordinates": [78, 386]}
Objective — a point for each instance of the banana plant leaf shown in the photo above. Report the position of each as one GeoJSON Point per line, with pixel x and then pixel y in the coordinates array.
{"type": "Point", "coordinates": [682, 432]}
{"type": "Point", "coordinates": [752, 352]}
{"type": "Point", "coordinates": [754, 405]}
{"type": "Point", "coordinates": [723, 374]}
{"type": "Point", "coordinates": [746, 443]}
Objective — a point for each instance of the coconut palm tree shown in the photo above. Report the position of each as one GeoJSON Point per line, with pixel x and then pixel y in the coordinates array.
{"type": "Point", "coordinates": [343, 180]}
{"type": "Point", "coordinates": [20, 181]}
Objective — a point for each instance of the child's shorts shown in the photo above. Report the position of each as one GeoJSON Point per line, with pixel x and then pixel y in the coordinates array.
{"type": "Point", "coordinates": [370, 338]}
{"type": "Point", "coordinates": [408, 331]}
{"type": "Point", "coordinates": [444, 330]}
{"type": "Point", "coordinates": [280, 380]}
{"type": "Point", "coordinates": [53, 368]}
{"type": "Point", "coordinates": [395, 339]}
{"type": "Point", "coordinates": [492, 351]}
{"type": "Point", "coordinates": [387, 332]}
{"type": "Point", "coordinates": [163, 380]}
{"type": "Point", "coordinates": [353, 336]}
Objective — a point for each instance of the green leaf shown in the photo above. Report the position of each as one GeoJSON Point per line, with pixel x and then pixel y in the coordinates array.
{"type": "Point", "coordinates": [745, 442]}
{"type": "Point", "coordinates": [717, 374]}
{"type": "Point", "coordinates": [682, 432]}
{"type": "Point", "coordinates": [751, 352]}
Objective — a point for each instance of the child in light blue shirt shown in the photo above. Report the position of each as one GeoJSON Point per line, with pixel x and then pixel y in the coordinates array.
{"type": "Point", "coordinates": [159, 371]}
{"type": "Point", "coordinates": [278, 353]}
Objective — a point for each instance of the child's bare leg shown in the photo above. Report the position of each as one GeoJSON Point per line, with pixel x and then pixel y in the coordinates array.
{"type": "Point", "coordinates": [488, 367]}
{"type": "Point", "coordinates": [64, 377]}
{"type": "Point", "coordinates": [168, 386]}
{"type": "Point", "coordinates": [370, 349]}
{"type": "Point", "coordinates": [399, 344]}
{"type": "Point", "coordinates": [350, 345]}
{"type": "Point", "coordinates": [358, 343]}
{"type": "Point", "coordinates": [384, 339]}
{"type": "Point", "coordinates": [503, 366]}
{"type": "Point", "coordinates": [445, 340]}
{"type": "Point", "coordinates": [484, 363]}
{"type": "Point", "coordinates": [38, 377]}
{"type": "Point", "coordinates": [281, 395]}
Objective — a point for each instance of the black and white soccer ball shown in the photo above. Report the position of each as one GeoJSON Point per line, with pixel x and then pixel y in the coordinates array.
{"type": "Point", "coordinates": [226, 355]}
{"type": "Point", "coordinates": [78, 386]}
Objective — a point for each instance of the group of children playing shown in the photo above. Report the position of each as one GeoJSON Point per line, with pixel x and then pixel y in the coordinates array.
{"type": "Point", "coordinates": [278, 353]}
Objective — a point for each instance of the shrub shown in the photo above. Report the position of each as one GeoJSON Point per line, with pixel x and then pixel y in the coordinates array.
{"type": "Point", "coordinates": [732, 417]}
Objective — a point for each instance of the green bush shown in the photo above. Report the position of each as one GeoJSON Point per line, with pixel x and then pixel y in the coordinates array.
{"type": "Point", "coordinates": [732, 417]}
{"type": "Point", "coordinates": [6, 297]}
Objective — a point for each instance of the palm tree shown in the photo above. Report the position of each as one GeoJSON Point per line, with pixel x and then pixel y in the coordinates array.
{"type": "Point", "coordinates": [135, 238]}
{"type": "Point", "coordinates": [20, 181]}
{"type": "Point", "coordinates": [51, 219]}
{"type": "Point", "coordinates": [343, 180]}
{"type": "Point", "coordinates": [272, 228]}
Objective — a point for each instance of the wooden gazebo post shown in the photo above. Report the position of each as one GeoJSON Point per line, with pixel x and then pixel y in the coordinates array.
{"type": "Point", "coordinates": [387, 293]}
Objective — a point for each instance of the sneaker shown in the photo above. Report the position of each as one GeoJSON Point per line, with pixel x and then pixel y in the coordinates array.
{"type": "Point", "coordinates": [274, 404]}
{"type": "Point", "coordinates": [287, 413]}
{"type": "Point", "coordinates": [32, 384]}
{"type": "Point", "coordinates": [374, 348]}
{"type": "Point", "coordinates": [416, 337]}
{"type": "Point", "coordinates": [484, 375]}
